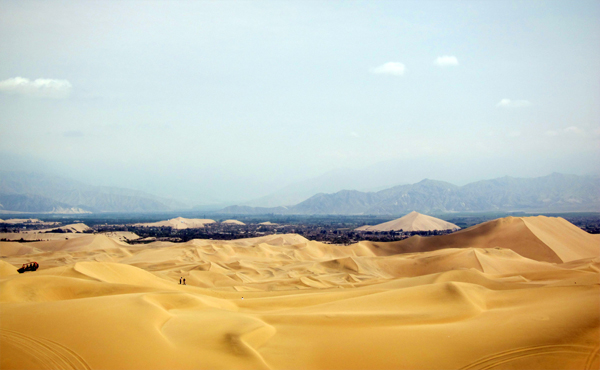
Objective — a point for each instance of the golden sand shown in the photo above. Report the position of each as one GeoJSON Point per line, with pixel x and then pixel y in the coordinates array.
{"type": "Point", "coordinates": [513, 293]}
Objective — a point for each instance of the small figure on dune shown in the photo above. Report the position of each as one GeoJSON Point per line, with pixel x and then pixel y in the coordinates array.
{"type": "Point", "coordinates": [183, 281]}
{"type": "Point", "coordinates": [180, 281]}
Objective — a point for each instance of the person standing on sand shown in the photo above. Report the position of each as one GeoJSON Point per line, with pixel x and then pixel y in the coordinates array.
{"type": "Point", "coordinates": [183, 281]}
{"type": "Point", "coordinates": [180, 281]}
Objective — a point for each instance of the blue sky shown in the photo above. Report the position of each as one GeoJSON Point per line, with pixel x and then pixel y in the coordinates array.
{"type": "Point", "coordinates": [229, 101]}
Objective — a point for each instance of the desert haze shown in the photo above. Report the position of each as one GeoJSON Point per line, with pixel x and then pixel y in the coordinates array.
{"type": "Point", "coordinates": [512, 293]}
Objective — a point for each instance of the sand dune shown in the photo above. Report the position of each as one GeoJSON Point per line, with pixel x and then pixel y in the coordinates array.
{"type": "Point", "coordinates": [413, 221]}
{"type": "Point", "coordinates": [179, 223]}
{"type": "Point", "coordinates": [25, 221]}
{"type": "Point", "coordinates": [121, 235]}
{"type": "Point", "coordinates": [62, 233]}
{"type": "Point", "coordinates": [233, 222]}
{"type": "Point", "coordinates": [40, 236]}
{"type": "Point", "coordinates": [14, 249]}
{"type": "Point", "coordinates": [469, 300]}
{"type": "Point", "coordinates": [540, 238]}
{"type": "Point", "coordinates": [71, 228]}
{"type": "Point", "coordinates": [7, 269]}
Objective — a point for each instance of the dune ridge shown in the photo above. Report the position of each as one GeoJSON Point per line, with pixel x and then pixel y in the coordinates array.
{"type": "Point", "coordinates": [510, 293]}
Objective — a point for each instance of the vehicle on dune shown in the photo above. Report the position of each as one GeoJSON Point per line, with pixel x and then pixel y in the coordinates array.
{"type": "Point", "coordinates": [31, 266]}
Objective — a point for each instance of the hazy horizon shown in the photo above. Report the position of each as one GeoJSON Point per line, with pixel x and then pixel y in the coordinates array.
{"type": "Point", "coordinates": [232, 101]}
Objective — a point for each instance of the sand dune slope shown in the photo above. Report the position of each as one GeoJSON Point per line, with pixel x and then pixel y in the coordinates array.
{"type": "Point", "coordinates": [14, 249]}
{"type": "Point", "coordinates": [551, 239]}
{"type": "Point", "coordinates": [284, 302]}
{"type": "Point", "coordinates": [565, 239]}
{"type": "Point", "coordinates": [7, 269]}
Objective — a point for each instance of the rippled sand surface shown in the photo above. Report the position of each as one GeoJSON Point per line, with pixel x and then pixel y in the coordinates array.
{"type": "Point", "coordinates": [513, 293]}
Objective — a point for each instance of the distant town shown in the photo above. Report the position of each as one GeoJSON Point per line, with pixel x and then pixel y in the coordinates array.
{"type": "Point", "coordinates": [328, 229]}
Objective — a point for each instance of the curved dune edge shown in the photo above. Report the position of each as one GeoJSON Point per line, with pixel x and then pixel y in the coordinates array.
{"type": "Point", "coordinates": [479, 304]}
{"type": "Point", "coordinates": [564, 238]}
{"type": "Point", "coordinates": [6, 269]}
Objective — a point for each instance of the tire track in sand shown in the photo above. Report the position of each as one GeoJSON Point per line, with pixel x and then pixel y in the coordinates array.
{"type": "Point", "coordinates": [500, 358]}
{"type": "Point", "coordinates": [49, 353]}
{"type": "Point", "coordinates": [590, 360]}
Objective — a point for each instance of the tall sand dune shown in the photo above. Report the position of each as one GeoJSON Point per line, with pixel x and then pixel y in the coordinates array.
{"type": "Point", "coordinates": [518, 293]}
{"type": "Point", "coordinates": [233, 222]}
{"type": "Point", "coordinates": [179, 223]}
{"type": "Point", "coordinates": [413, 221]}
{"type": "Point", "coordinates": [551, 239]}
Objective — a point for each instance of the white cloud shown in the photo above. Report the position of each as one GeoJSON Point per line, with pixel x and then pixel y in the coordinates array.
{"type": "Point", "coordinates": [568, 130]}
{"type": "Point", "coordinates": [446, 60]}
{"type": "Point", "coordinates": [354, 134]}
{"type": "Point", "coordinates": [41, 87]}
{"type": "Point", "coordinates": [515, 133]}
{"type": "Point", "coordinates": [573, 130]}
{"type": "Point", "coordinates": [389, 68]}
{"type": "Point", "coordinates": [507, 103]}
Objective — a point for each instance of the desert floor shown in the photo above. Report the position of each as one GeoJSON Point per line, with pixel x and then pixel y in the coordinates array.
{"type": "Point", "coordinates": [513, 293]}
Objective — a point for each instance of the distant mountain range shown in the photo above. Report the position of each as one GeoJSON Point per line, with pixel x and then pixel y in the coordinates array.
{"type": "Point", "coordinates": [40, 193]}
{"type": "Point", "coordinates": [329, 182]}
{"type": "Point", "coordinates": [552, 193]}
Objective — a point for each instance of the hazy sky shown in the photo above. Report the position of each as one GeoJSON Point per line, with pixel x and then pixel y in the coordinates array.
{"type": "Point", "coordinates": [214, 101]}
